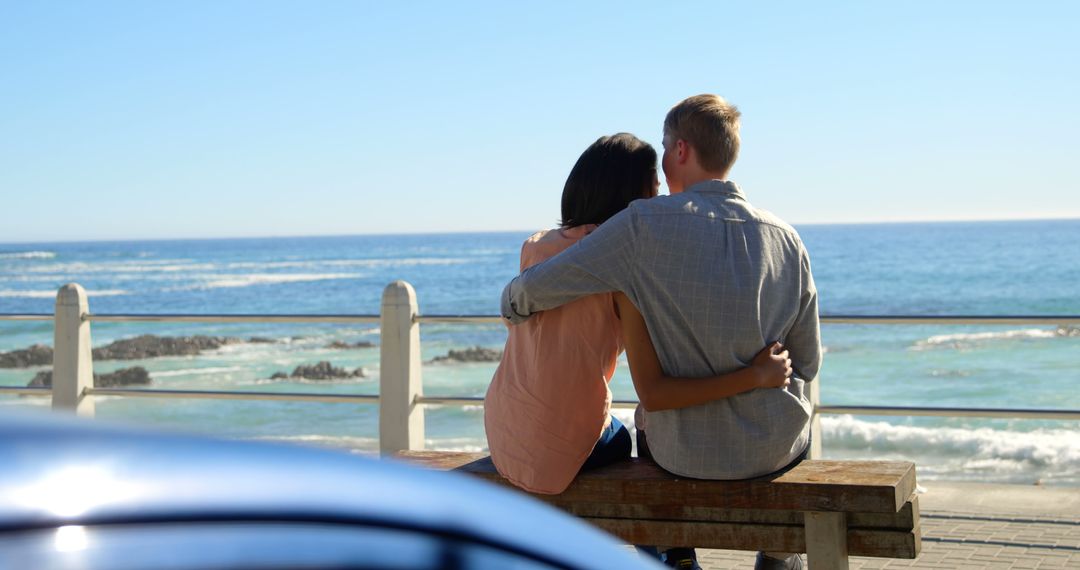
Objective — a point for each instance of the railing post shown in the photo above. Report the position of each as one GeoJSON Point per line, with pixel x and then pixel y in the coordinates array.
{"type": "Point", "coordinates": [73, 366]}
{"type": "Point", "coordinates": [816, 436]}
{"type": "Point", "coordinates": [401, 419]}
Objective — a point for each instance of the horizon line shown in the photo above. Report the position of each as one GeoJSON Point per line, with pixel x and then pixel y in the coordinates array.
{"type": "Point", "coordinates": [505, 231]}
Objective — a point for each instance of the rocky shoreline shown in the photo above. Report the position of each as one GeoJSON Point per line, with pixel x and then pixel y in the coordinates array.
{"type": "Point", "coordinates": [152, 346]}
{"type": "Point", "coordinates": [134, 376]}
{"type": "Point", "coordinates": [474, 354]}
{"type": "Point", "coordinates": [341, 345]}
{"type": "Point", "coordinates": [322, 370]}
{"type": "Point", "coordinates": [137, 348]}
{"type": "Point", "coordinates": [36, 355]}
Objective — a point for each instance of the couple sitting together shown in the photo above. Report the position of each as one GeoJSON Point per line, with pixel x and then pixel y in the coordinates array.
{"type": "Point", "coordinates": [706, 294]}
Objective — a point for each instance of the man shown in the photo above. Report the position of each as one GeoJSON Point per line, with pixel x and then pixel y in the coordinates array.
{"type": "Point", "coordinates": [715, 280]}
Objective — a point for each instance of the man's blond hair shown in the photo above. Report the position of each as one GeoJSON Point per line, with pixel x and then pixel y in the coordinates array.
{"type": "Point", "coordinates": [711, 125]}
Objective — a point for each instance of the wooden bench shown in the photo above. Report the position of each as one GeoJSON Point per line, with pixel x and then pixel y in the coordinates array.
{"type": "Point", "coordinates": [828, 509]}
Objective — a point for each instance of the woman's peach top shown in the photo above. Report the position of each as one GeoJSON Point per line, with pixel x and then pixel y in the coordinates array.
{"type": "Point", "coordinates": [549, 400]}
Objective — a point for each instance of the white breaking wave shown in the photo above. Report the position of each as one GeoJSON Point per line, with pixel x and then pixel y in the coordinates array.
{"type": "Point", "coordinates": [1040, 452]}
{"type": "Point", "coordinates": [114, 277]}
{"type": "Point", "coordinates": [106, 292]}
{"type": "Point", "coordinates": [38, 402]}
{"type": "Point", "coordinates": [176, 268]}
{"type": "Point", "coordinates": [195, 371]}
{"type": "Point", "coordinates": [400, 262]}
{"type": "Point", "coordinates": [232, 281]}
{"type": "Point", "coordinates": [350, 263]}
{"type": "Point", "coordinates": [51, 293]}
{"type": "Point", "coordinates": [140, 266]}
{"type": "Point", "coordinates": [28, 255]}
{"type": "Point", "coordinates": [970, 339]}
{"type": "Point", "coordinates": [352, 443]}
{"type": "Point", "coordinates": [467, 444]}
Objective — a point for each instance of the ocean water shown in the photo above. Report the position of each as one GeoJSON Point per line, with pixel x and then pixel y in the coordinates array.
{"type": "Point", "coordinates": [987, 268]}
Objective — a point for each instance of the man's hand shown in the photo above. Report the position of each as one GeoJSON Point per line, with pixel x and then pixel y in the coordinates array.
{"type": "Point", "coordinates": [772, 366]}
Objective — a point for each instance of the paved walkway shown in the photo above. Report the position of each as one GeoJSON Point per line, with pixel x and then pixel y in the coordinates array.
{"type": "Point", "coordinates": [975, 526]}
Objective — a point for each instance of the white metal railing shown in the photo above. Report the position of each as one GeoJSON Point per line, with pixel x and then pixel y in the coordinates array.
{"type": "Point", "coordinates": [401, 399]}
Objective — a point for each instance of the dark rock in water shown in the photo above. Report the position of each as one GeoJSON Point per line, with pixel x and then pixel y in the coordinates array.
{"type": "Point", "coordinates": [341, 345]}
{"type": "Point", "coordinates": [320, 371]}
{"type": "Point", "coordinates": [135, 376]}
{"type": "Point", "coordinates": [37, 355]}
{"type": "Point", "coordinates": [150, 346]}
{"type": "Point", "coordinates": [474, 354]}
{"type": "Point", "coordinates": [145, 346]}
{"type": "Point", "coordinates": [261, 340]}
{"type": "Point", "coordinates": [41, 380]}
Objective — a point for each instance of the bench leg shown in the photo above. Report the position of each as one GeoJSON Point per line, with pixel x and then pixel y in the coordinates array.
{"type": "Point", "coordinates": [826, 541]}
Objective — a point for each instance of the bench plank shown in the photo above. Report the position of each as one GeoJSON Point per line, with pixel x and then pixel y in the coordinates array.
{"type": "Point", "coordinates": [813, 485]}
{"type": "Point", "coordinates": [903, 520]}
{"type": "Point", "coordinates": [643, 504]}
{"type": "Point", "coordinates": [741, 536]}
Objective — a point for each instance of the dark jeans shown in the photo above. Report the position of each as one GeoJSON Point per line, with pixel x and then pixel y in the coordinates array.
{"type": "Point", "coordinates": [643, 452]}
{"type": "Point", "coordinates": [613, 445]}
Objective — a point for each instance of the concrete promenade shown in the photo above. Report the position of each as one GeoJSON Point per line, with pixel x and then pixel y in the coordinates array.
{"type": "Point", "coordinates": [974, 526]}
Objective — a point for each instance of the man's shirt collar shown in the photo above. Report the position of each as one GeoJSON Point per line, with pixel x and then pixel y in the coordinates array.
{"type": "Point", "coordinates": [721, 186]}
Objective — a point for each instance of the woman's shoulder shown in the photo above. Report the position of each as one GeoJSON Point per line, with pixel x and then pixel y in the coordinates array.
{"type": "Point", "coordinates": [561, 236]}
{"type": "Point", "coordinates": [541, 236]}
{"type": "Point", "coordinates": [548, 243]}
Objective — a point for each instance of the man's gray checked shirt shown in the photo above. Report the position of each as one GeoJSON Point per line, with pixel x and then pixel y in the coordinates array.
{"type": "Point", "coordinates": [716, 280]}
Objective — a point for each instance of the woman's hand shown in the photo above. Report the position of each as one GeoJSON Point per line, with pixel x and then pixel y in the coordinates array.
{"type": "Point", "coordinates": [772, 366]}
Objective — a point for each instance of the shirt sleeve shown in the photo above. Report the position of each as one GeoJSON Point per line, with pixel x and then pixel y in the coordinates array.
{"type": "Point", "coordinates": [599, 263]}
{"type": "Point", "coordinates": [804, 339]}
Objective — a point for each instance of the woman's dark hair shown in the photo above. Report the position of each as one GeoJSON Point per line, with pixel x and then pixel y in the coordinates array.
{"type": "Point", "coordinates": [610, 174]}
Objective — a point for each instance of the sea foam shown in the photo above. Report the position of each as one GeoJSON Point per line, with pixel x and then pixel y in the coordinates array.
{"type": "Point", "coordinates": [195, 371]}
{"type": "Point", "coordinates": [351, 443]}
{"type": "Point", "coordinates": [50, 293]}
{"type": "Point", "coordinates": [967, 340]}
{"type": "Point", "coordinates": [950, 452]}
{"type": "Point", "coordinates": [27, 255]}
{"type": "Point", "coordinates": [247, 280]}
{"type": "Point", "coordinates": [403, 262]}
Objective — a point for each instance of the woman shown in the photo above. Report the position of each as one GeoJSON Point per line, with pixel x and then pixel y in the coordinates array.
{"type": "Point", "coordinates": [547, 410]}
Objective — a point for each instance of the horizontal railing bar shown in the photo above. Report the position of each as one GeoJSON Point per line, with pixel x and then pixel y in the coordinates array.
{"type": "Point", "coordinates": [25, 391]}
{"type": "Point", "coordinates": [234, 395]}
{"type": "Point", "coordinates": [459, 319]}
{"type": "Point", "coordinates": [479, 401]}
{"type": "Point", "coordinates": [1007, 413]}
{"type": "Point", "coordinates": [855, 410]}
{"type": "Point", "coordinates": [847, 319]}
{"type": "Point", "coordinates": [450, 400]}
{"type": "Point", "coordinates": [250, 318]}
{"type": "Point", "coordinates": [492, 319]}
{"type": "Point", "coordinates": [950, 319]}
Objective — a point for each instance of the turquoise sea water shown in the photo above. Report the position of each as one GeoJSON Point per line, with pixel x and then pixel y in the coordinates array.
{"type": "Point", "coordinates": [988, 268]}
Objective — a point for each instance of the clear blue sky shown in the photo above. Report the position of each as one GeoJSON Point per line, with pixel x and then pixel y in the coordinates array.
{"type": "Point", "coordinates": [130, 120]}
